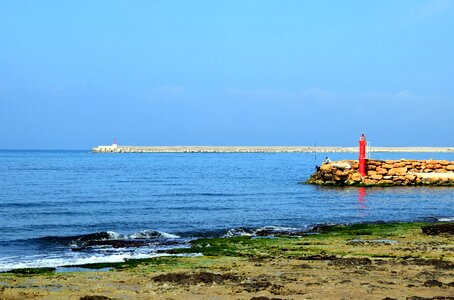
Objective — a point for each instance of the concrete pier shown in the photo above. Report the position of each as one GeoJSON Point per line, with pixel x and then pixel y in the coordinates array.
{"type": "Point", "coordinates": [257, 149]}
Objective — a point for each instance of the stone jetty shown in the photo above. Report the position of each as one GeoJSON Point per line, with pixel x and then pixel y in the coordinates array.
{"type": "Point", "coordinates": [385, 173]}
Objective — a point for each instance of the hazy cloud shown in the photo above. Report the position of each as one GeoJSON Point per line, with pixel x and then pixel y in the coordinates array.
{"type": "Point", "coordinates": [324, 95]}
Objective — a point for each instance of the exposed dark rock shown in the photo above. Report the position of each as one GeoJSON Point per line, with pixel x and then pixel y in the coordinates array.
{"type": "Point", "coordinates": [371, 242]}
{"type": "Point", "coordinates": [256, 285]}
{"type": "Point", "coordinates": [433, 298]}
{"type": "Point", "coordinates": [437, 229]}
{"type": "Point", "coordinates": [432, 282]}
{"type": "Point", "coordinates": [120, 244]}
{"type": "Point", "coordinates": [345, 281]}
{"type": "Point", "coordinates": [436, 263]}
{"type": "Point", "coordinates": [318, 257]}
{"type": "Point", "coordinates": [351, 261]}
{"type": "Point", "coordinates": [270, 232]}
{"type": "Point", "coordinates": [95, 297]}
{"type": "Point", "coordinates": [196, 278]}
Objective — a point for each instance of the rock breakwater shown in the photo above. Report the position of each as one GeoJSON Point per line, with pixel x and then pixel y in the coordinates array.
{"type": "Point", "coordinates": [385, 173]}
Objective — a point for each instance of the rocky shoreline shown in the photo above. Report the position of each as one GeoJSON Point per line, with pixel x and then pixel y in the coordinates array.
{"type": "Point", "coordinates": [373, 261]}
{"type": "Point", "coordinates": [385, 173]}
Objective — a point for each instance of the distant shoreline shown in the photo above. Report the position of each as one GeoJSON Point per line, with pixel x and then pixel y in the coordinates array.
{"type": "Point", "coordinates": [261, 149]}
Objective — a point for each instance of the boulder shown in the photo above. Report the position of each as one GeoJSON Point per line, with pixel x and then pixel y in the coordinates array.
{"type": "Point", "coordinates": [374, 163]}
{"type": "Point", "coordinates": [341, 165]}
{"type": "Point", "coordinates": [325, 167]}
{"type": "Point", "coordinates": [376, 177]}
{"type": "Point", "coordinates": [381, 171]}
{"type": "Point", "coordinates": [449, 168]}
{"type": "Point", "coordinates": [433, 166]}
{"type": "Point", "coordinates": [398, 171]}
{"type": "Point", "coordinates": [328, 176]}
{"type": "Point", "coordinates": [386, 181]}
{"type": "Point", "coordinates": [356, 177]}
{"type": "Point", "coordinates": [368, 181]}
{"type": "Point", "coordinates": [410, 177]}
{"type": "Point", "coordinates": [399, 164]}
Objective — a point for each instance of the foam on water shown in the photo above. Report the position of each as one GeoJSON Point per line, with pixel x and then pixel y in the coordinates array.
{"type": "Point", "coordinates": [114, 235]}
{"type": "Point", "coordinates": [264, 230]}
{"type": "Point", "coordinates": [148, 234]}
{"type": "Point", "coordinates": [54, 261]}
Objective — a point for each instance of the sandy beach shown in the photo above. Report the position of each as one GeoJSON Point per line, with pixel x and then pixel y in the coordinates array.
{"type": "Point", "coordinates": [377, 261]}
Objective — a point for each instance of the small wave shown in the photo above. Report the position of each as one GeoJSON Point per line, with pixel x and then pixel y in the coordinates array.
{"type": "Point", "coordinates": [149, 234]}
{"type": "Point", "coordinates": [114, 235]}
{"type": "Point", "coordinates": [447, 219]}
{"type": "Point", "coordinates": [105, 235]}
{"type": "Point", "coordinates": [238, 232]}
{"type": "Point", "coordinates": [265, 231]}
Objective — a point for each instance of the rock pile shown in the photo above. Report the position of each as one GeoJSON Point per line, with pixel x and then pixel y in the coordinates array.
{"type": "Point", "coordinates": [385, 173]}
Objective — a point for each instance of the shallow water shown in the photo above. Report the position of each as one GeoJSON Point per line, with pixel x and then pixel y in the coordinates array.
{"type": "Point", "coordinates": [167, 199]}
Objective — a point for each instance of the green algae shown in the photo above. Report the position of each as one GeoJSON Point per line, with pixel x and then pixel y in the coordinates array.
{"type": "Point", "coordinates": [378, 230]}
{"type": "Point", "coordinates": [129, 263]}
{"type": "Point", "coordinates": [322, 241]}
{"type": "Point", "coordinates": [31, 271]}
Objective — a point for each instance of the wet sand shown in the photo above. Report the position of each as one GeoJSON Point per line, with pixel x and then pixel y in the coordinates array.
{"type": "Point", "coordinates": [394, 264]}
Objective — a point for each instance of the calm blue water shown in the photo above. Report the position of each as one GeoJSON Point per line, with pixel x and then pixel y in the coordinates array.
{"type": "Point", "coordinates": [50, 199]}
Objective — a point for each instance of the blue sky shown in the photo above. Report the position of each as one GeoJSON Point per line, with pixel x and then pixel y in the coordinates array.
{"type": "Point", "coordinates": [75, 74]}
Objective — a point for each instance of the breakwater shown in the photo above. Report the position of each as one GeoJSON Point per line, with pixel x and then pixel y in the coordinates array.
{"type": "Point", "coordinates": [259, 149]}
{"type": "Point", "coordinates": [385, 173]}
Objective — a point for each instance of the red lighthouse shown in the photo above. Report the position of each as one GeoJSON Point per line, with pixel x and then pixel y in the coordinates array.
{"type": "Point", "coordinates": [362, 155]}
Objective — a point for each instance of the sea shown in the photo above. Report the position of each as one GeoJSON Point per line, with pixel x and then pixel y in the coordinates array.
{"type": "Point", "coordinates": [60, 208]}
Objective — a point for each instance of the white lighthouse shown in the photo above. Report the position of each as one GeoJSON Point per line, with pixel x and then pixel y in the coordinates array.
{"type": "Point", "coordinates": [114, 144]}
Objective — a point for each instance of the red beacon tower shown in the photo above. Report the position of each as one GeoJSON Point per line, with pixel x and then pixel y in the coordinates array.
{"type": "Point", "coordinates": [362, 155]}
